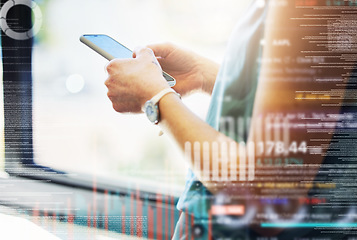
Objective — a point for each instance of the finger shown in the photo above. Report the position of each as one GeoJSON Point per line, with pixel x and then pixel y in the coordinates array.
{"type": "Point", "coordinates": [147, 54]}
{"type": "Point", "coordinates": [106, 68]}
{"type": "Point", "coordinates": [143, 52]}
{"type": "Point", "coordinates": [114, 65]}
{"type": "Point", "coordinates": [107, 83]}
{"type": "Point", "coordinates": [162, 50]}
{"type": "Point", "coordinates": [135, 51]}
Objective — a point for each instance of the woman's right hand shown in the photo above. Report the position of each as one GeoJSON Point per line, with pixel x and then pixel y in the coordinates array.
{"type": "Point", "coordinates": [191, 71]}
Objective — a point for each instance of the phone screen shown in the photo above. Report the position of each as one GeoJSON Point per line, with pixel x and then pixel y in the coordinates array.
{"type": "Point", "coordinates": [110, 46]}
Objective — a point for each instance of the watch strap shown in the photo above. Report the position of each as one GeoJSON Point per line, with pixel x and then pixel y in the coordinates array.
{"type": "Point", "coordinates": [151, 107]}
{"type": "Point", "coordinates": [155, 99]}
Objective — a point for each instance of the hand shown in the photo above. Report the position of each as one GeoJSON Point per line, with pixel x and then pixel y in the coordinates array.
{"type": "Point", "coordinates": [131, 82]}
{"type": "Point", "coordinates": [191, 71]}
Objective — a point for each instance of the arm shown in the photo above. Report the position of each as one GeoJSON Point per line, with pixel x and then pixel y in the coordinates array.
{"type": "Point", "coordinates": [131, 82]}
{"type": "Point", "coordinates": [184, 125]}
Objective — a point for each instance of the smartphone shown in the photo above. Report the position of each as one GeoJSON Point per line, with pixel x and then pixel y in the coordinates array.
{"type": "Point", "coordinates": [110, 49]}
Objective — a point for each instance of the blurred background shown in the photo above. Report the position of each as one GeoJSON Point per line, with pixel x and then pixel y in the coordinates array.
{"type": "Point", "coordinates": [75, 128]}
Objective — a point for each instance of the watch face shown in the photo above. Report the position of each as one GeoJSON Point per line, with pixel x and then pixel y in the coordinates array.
{"type": "Point", "coordinates": [152, 112]}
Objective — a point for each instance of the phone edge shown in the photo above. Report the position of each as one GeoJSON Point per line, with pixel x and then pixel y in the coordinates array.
{"type": "Point", "coordinates": [94, 47]}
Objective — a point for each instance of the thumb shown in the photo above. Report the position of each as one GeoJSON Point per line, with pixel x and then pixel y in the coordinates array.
{"type": "Point", "coordinates": [162, 50]}
{"type": "Point", "coordinates": [145, 53]}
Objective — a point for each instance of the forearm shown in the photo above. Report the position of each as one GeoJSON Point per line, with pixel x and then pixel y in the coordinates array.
{"type": "Point", "coordinates": [129, 89]}
{"type": "Point", "coordinates": [195, 137]}
{"type": "Point", "coordinates": [183, 125]}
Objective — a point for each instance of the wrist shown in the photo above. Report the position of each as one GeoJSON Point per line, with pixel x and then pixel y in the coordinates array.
{"type": "Point", "coordinates": [150, 91]}
{"type": "Point", "coordinates": [209, 75]}
{"type": "Point", "coordinates": [151, 107]}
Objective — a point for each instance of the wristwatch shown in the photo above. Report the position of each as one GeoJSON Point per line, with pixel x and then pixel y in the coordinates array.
{"type": "Point", "coordinates": [151, 107]}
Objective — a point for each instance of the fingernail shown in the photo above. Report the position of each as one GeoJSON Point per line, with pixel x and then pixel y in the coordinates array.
{"type": "Point", "coordinates": [105, 68]}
